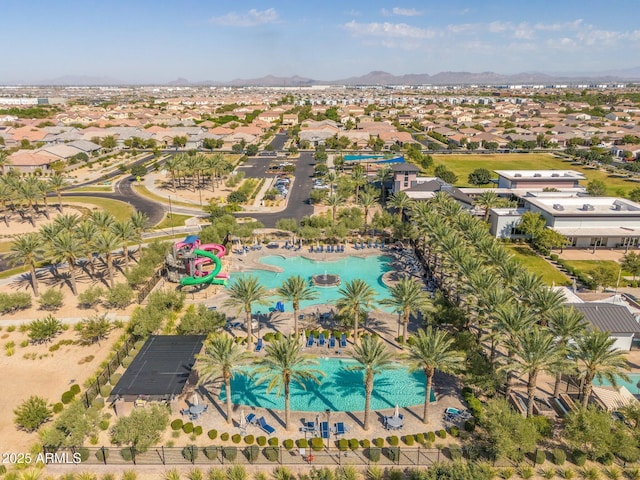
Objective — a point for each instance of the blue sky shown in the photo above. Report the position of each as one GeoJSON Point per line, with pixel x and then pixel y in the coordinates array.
{"type": "Point", "coordinates": [158, 41]}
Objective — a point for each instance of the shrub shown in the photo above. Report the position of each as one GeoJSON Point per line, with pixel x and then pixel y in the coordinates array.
{"type": "Point", "coordinates": [32, 413]}
{"type": "Point", "coordinates": [288, 444]}
{"type": "Point", "coordinates": [249, 439]}
{"type": "Point", "coordinates": [303, 443]}
{"type": "Point", "coordinates": [470, 425]}
{"type": "Point", "coordinates": [229, 453]}
{"type": "Point", "coordinates": [11, 302]}
{"type": "Point", "coordinates": [525, 472]}
{"type": "Point", "coordinates": [176, 424]}
{"type": "Point", "coordinates": [543, 425]}
{"type": "Point", "coordinates": [343, 445]}
{"type": "Point", "coordinates": [224, 436]}
{"type": "Point", "coordinates": [354, 444]}
{"type": "Point", "coordinates": [378, 442]}
{"type": "Point", "coordinates": [190, 453]}
{"type": "Point", "coordinates": [103, 425]}
{"type": "Point", "coordinates": [579, 457]}
{"type": "Point", "coordinates": [212, 434]}
{"type": "Point", "coordinates": [317, 444]}
{"type": "Point", "coordinates": [51, 299]}
{"type": "Point", "coordinates": [431, 436]}
{"type": "Point", "coordinates": [211, 452]}
{"type": "Point", "coordinates": [540, 457]}
{"type": "Point", "coordinates": [455, 452]}
{"type": "Point", "coordinates": [474, 404]}
{"type": "Point", "coordinates": [558, 456]}
{"type": "Point", "coordinates": [127, 453]}
{"type": "Point", "coordinates": [120, 296]}
{"type": "Point", "coordinates": [75, 389]}
{"type": "Point", "coordinates": [365, 443]}
{"type": "Point", "coordinates": [236, 437]}
{"type": "Point", "coordinates": [393, 440]}
{"type": "Point", "coordinates": [553, 257]}
{"type": "Point", "coordinates": [442, 433]}
{"type": "Point", "coordinates": [419, 438]}
{"type": "Point", "coordinates": [102, 455]}
{"type": "Point", "coordinates": [454, 431]}
{"type": "Point", "coordinates": [274, 442]}
{"type": "Point", "coordinates": [408, 439]}
{"type": "Point", "coordinates": [271, 453]}
{"type": "Point", "coordinates": [606, 459]}
{"type": "Point", "coordinates": [98, 403]}
{"type": "Point", "coordinates": [115, 378]}
{"type": "Point", "coordinates": [105, 390]}
{"type": "Point", "coordinates": [90, 297]}
{"type": "Point", "coordinates": [187, 427]}
{"type": "Point", "coordinates": [393, 453]}
{"type": "Point", "coordinates": [67, 397]}
{"type": "Point", "coordinates": [197, 430]}
{"type": "Point", "coordinates": [261, 440]}
{"type": "Point", "coordinates": [252, 452]}
{"type": "Point", "coordinates": [373, 454]}
{"type": "Point", "coordinates": [58, 407]}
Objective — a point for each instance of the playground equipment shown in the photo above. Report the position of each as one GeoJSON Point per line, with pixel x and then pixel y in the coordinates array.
{"type": "Point", "coordinates": [190, 256]}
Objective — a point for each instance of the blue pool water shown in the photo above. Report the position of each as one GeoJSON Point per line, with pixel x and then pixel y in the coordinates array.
{"type": "Point", "coordinates": [369, 269]}
{"type": "Point", "coordinates": [361, 157]}
{"type": "Point", "coordinates": [341, 390]}
{"type": "Point", "coordinates": [631, 385]}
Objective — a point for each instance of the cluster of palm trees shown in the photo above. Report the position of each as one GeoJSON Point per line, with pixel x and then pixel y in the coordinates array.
{"type": "Point", "coordinates": [509, 308]}
{"type": "Point", "coordinates": [197, 171]}
{"type": "Point", "coordinates": [71, 237]}
{"type": "Point", "coordinates": [23, 194]}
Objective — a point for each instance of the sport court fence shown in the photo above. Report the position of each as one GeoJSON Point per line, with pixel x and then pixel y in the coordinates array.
{"type": "Point", "coordinates": [103, 378]}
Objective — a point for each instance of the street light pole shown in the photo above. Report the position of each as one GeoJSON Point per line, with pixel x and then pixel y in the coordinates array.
{"type": "Point", "coordinates": [171, 215]}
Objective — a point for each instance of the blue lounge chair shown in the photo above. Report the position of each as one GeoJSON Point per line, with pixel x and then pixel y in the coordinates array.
{"type": "Point", "coordinates": [311, 249]}
{"type": "Point", "coordinates": [251, 419]}
{"type": "Point", "coordinates": [343, 341]}
{"type": "Point", "coordinates": [321, 340]}
{"type": "Point", "coordinates": [369, 245]}
{"type": "Point", "coordinates": [311, 340]}
{"type": "Point", "coordinates": [258, 345]}
{"type": "Point", "coordinates": [341, 429]}
{"type": "Point", "coordinates": [324, 429]}
{"type": "Point", "coordinates": [320, 249]}
{"type": "Point", "coordinates": [355, 245]}
{"type": "Point", "coordinates": [332, 341]}
{"type": "Point", "coordinates": [262, 423]}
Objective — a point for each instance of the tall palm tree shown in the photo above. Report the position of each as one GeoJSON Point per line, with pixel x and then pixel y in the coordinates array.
{"type": "Point", "coordinates": [224, 358]}
{"type": "Point", "coordinates": [4, 161]}
{"type": "Point", "coordinates": [44, 187]}
{"type": "Point", "coordinates": [382, 176]}
{"type": "Point", "coordinates": [359, 177]}
{"type": "Point", "coordinates": [596, 358]}
{"type": "Point", "coordinates": [172, 165]}
{"type": "Point", "coordinates": [27, 249]}
{"type": "Point", "coordinates": [367, 200]}
{"type": "Point", "coordinates": [545, 302]}
{"type": "Point", "coordinates": [354, 296]}
{"type": "Point", "coordinates": [67, 247]}
{"type": "Point", "coordinates": [6, 193]}
{"type": "Point", "coordinates": [29, 194]}
{"type": "Point", "coordinates": [58, 183]}
{"type": "Point", "coordinates": [407, 296]}
{"type": "Point", "coordinates": [103, 220]}
{"type": "Point", "coordinates": [487, 200]}
{"type": "Point", "coordinates": [86, 232]}
{"type": "Point", "coordinates": [125, 232]}
{"type": "Point", "coordinates": [243, 293]}
{"type": "Point", "coordinates": [537, 352]}
{"type": "Point", "coordinates": [431, 351]}
{"type": "Point", "coordinates": [296, 289]}
{"type": "Point", "coordinates": [140, 222]}
{"type": "Point", "coordinates": [105, 243]}
{"type": "Point", "coordinates": [373, 357]}
{"type": "Point", "coordinates": [67, 222]}
{"type": "Point", "coordinates": [334, 201]}
{"type": "Point", "coordinates": [283, 363]}
{"type": "Point", "coordinates": [330, 177]}
{"type": "Point", "coordinates": [565, 324]}
{"type": "Point", "coordinates": [400, 201]}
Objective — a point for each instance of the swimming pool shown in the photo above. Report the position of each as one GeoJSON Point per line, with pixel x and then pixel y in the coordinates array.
{"type": "Point", "coordinates": [341, 390]}
{"type": "Point", "coordinates": [362, 157]}
{"type": "Point", "coordinates": [369, 269]}
{"type": "Point", "coordinates": [632, 385]}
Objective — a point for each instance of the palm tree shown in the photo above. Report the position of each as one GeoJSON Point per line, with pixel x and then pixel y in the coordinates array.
{"type": "Point", "coordinates": [401, 202]}
{"type": "Point", "coordinates": [27, 250]}
{"type": "Point", "coordinates": [67, 222]}
{"type": "Point", "coordinates": [57, 183]}
{"type": "Point", "coordinates": [373, 357]}
{"type": "Point", "coordinates": [86, 232]}
{"type": "Point", "coordinates": [102, 220]}
{"type": "Point", "coordinates": [431, 351]}
{"type": "Point", "coordinates": [66, 247]}
{"type": "Point", "coordinates": [172, 164]}
{"type": "Point", "coordinates": [334, 201]}
{"type": "Point", "coordinates": [487, 200]}
{"type": "Point", "coordinates": [125, 232]}
{"type": "Point", "coordinates": [224, 358]}
{"type": "Point", "coordinates": [597, 359]}
{"type": "Point", "coordinates": [28, 192]}
{"type": "Point", "coordinates": [296, 289]}
{"type": "Point", "coordinates": [105, 243]}
{"type": "Point", "coordinates": [140, 222]}
{"type": "Point", "coordinates": [331, 178]}
{"type": "Point", "coordinates": [367, 200]}
{"type": "Point", "coordinates": [545, 302]}
{"type": "Point", "coordinates": [243, 293]}
{"type": "Point", "coordinates": [382, 176]}
{"type": "Point", "coordinates": [565, 324]}
{"type": "Point", "coordinates": [4, 161]}
{"type": "Point", "coordinates": [44, 188]}
{"type": "Point", "coordinates": [537, 352]}
{"type": "Point", "coordinates": [407, 296]}
{"type": "Point", "coordinates": [6, 193]}
{"type": "Point", "coordinates": [283, 363]}
{"type": "Point", "coordinates": [355, 295]}
{"type": "Point", "coordinates": [359, 177]}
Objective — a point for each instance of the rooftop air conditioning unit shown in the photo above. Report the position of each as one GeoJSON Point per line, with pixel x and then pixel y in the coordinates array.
{"type": "Point", "coordinates": [537, 174]}
{"type": "Point", "coordinates": [517, 175]}
{"type": "Point", "coordinates": [557, 206]}
{"type": "Point", "coordinates": [555, 174]}
{"type": "Point", "coordinates": [587, 207]}
{"type": "Point", "coordinates": [618, 206]}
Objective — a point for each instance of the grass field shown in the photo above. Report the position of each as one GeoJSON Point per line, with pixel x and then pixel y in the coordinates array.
{"type": "Point", "coordinates": [120, 210]}
{"type": "Point", "coordinates": [463, 165]}
{"type": "Point", "coordinates": [550, 275]}
{"type": "Point", "coordinates": [145, 192]}
{"type": "Point", "coordinates": [96, 188]}
{"type": "Point", "coordinates": [174, 220]}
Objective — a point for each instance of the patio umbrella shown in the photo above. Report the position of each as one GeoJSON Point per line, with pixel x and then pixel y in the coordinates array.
{"type": "Point", "coordinates": [304, 338]}
{"type": "Point", "coordinates": [396, 411]}
{"type": "Point", "coordinates": [243, 420]}
{"type": "Point", "coordinates": [195, 399]}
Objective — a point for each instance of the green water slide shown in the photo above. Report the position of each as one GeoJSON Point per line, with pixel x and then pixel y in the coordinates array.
{"type": "Point", "coordinates": [211, 277]}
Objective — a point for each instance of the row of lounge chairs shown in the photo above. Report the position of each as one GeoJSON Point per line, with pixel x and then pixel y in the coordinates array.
{"type": "Point", "coordinates": [260, 422]}
{"type": "Point", "coordinates": [369, 244]}
{"type": "Point", "coordinates": [329, 249]}
{"type": "Point", "coordinates": [291, 246]}
{"type": "Point", "coordinates": [452, 415]}
{"type": "Point", "coordinates": [323, 428]}
{"type": "Point", "coordinates": [322, 341]}
{"type": "Point", "coordinates": [244, 249]}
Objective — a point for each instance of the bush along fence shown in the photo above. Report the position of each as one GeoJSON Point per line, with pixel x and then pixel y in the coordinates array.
{"type": "Point", "coordinates": [257, 455]}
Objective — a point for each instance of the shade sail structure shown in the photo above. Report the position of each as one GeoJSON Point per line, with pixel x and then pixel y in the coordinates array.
{"type": "Point", "coordinates": [161, 368]}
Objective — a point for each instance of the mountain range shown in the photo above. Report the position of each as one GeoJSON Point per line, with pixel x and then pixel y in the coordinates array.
{"type": "Point", "coordinates": [385, 78]}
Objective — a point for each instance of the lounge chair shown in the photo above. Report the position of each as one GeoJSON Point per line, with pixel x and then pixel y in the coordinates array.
{"type": "Point", "coordinates": [343, 340]}
{"type": "Point", "coordinates": [332, 341]}
{"type": "Point", "coordinates": [258, 345]}
{"type": "Point", "coordinates": [311, 249]}
{"type": "Point", "coordinates": [324, 429]}
{"type": "Point", "coordinates": [311, 340]}
{"type": "Point", "coordinates": [320, 249]}
{"type": "Point", "coordinates": [262, 423]}
{"type": "Point", "coordinates": [355, 246]}
{"type": "Point", "coordinates": [251, 419]}
{"type": "Point", "coordinates": [376, 244]}
{"type": "Point", "coordinates": [321, 340]}
{"type": "Point", "coordinates": [340, 429]}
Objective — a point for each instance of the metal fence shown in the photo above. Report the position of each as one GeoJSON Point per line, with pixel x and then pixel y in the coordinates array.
{"type": "Point", "coordinates": [256, 455]}
{"type": "Point", "coordinates": [103, 378]}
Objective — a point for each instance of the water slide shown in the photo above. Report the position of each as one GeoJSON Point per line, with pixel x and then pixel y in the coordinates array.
{"type": "Point", "coordinates": [205, 255]}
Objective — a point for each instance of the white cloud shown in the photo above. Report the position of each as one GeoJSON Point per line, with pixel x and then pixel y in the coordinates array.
{"type": "Point", "coordinates": [251, 18]}
{"type": "Point", "coordinates": [388, 30]}
{"type": "Point", "coordinates": [406, 12]}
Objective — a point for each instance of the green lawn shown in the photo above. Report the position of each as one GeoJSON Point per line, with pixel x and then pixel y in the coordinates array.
{"type": "Point", "coordinates": [145, 192]}
{"type": "Point", "coordinates": [534, 263]}
{"type": "Point", "coordinates": [463, 165]}
{"type": "Point", "coordinates": [120, 210]}
{"type": "Point", "coordinates": [587, 266]}
{"type": "Point", "coordinates": [95, 188]}
{"type": "Point", "coordinates": [172, 220]}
